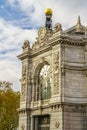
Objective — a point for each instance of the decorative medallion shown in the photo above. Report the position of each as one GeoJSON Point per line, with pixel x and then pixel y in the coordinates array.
{"type": "Point", "coordinates": [41, 32]}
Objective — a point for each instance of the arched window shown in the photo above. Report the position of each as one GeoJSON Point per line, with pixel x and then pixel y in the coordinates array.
{"type": "Point", "coordinates": [45, 82]}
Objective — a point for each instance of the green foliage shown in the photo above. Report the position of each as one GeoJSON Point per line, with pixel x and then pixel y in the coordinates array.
{"type": "Point", "coordinates": [9, 104]}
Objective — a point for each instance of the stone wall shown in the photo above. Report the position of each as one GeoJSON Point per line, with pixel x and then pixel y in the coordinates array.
{"type": "Point", "coordinates": [74, 79]}
{"type": "Point", "coordinates": [56, 120]}
{"type": "Point", "coordinates": [75, 118]}
{"type": "Point", "coordinates": [74, 54]}
{"type": "Point", "coordinates": [75, 86]}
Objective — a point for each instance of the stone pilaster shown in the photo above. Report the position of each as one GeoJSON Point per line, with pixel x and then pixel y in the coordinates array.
{"type": "Point", "coordinates": [36, 123]}
{"type": "Point", "coordinates": [32, 123]}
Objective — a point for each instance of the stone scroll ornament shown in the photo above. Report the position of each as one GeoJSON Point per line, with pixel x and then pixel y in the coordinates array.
{"type": "Point", "coordinates": [56, 72]}
{"type": "Point", "coordinates": [57, 28]}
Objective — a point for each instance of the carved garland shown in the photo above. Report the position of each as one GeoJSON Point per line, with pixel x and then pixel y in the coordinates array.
{"type": "Point", "coordinates": [56, 72]}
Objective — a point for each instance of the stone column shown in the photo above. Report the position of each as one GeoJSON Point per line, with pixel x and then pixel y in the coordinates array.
{"type": "Point", "coordinates": [37, 90]}
{"type": "Point", "coordinates": [32, 123]}
{"type": "Point", "coordinates": [36, 123]}
{"type": "Point", "coordinates": [33, 90]}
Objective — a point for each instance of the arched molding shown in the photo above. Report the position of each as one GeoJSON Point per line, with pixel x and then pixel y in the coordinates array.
{"type": "Point", "coordinates": [36, 71]}
{"type": "Point", "coordinates": [39, 64]}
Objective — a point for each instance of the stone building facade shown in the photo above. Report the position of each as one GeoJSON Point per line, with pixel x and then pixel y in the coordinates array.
{"type": "Point", "coordinates": [54, 80]}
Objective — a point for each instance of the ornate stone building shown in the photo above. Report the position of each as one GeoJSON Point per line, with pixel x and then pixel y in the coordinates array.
{"type": "Point", "coordinates": [54, 79]}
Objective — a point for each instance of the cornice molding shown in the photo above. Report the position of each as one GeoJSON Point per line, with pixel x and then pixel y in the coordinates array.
{"type": "Point", "coordinates": [51, 42]}
{"type": "Point", "coordinates": [74, 67]}
{"type": "Point", "coordinates": [24, 55]}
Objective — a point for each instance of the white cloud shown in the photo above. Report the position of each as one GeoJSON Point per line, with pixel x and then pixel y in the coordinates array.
{"type": "Point", "coordinates": [65, 12]}
{"type": "Point", "coordinates": [11, 37]}
{"type": "Point", "coordinates": [11, 40]}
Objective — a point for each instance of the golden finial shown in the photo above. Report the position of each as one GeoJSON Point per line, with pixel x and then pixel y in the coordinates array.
{"type": "Point", "coordinates": [48, 11]}
{"type": "Point", "coordinates": [79, 20]}
{"type": "Point", "coordinates": [48, 23]}
{"type": "Point", "coordinates": [78, 26]}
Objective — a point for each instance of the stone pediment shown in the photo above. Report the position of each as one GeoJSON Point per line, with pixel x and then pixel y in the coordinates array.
{"type": "Point", "coordinates": [74, 30]}
{"type": "Point", "coordinates": [45, 37]}
{"type": "Point", "coordinates": [78, 29]}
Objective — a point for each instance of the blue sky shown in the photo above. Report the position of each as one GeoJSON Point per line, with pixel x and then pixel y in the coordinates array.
{"type": "Point", "coordinates": [20, 21]}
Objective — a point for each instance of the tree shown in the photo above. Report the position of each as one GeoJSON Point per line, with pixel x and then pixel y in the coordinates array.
{"type": "Point", "coordinates": [9, 103]}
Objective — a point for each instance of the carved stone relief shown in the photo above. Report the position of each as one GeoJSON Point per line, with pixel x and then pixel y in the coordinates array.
{"type": "Point", "coordinates": [56, 62]}
{"type": "Point", "coordinates": [26, 44]}
{"type": "Point", "coordinates": [43, 36]}
{"type": "Point", "coordinates": [57, 28]}
{"type": "Point", "coordinates": [56, 83]}
{"type": "Point", "coordinates": [56, 72]}
{"type": "Point", "coordinates": [42, 32]}
{"type": "Point", "coordinates": [57, 124]}
{"type": "Point", "coordinates": [23, 84]}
